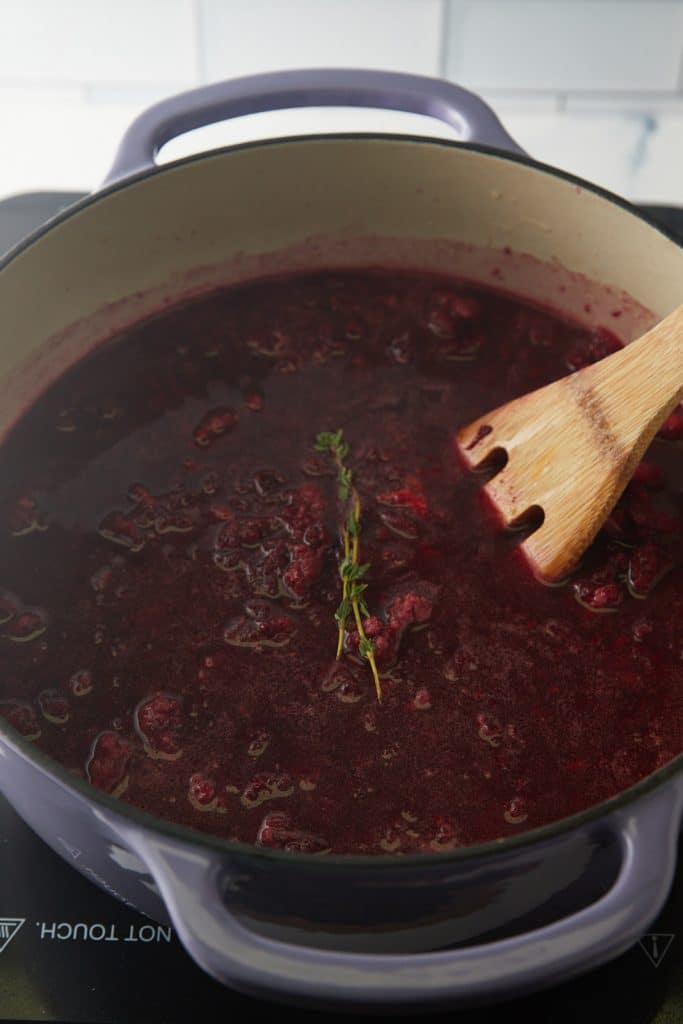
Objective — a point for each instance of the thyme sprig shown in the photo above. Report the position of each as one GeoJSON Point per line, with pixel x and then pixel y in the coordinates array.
{"type": "Point", "coordinates": [351, 572]}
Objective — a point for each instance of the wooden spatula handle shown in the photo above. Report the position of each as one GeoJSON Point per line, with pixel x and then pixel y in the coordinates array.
{"type": "Point", "coordinates": [573, 445]}
{"type": "Point", "coordinates": [633, 391]}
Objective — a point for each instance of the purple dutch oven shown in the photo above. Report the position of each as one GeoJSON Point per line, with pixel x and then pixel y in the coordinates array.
{"type": "Point", "coordinates": [474, 924]}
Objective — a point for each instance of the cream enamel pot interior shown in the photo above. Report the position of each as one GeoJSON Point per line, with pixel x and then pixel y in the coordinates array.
{"type": "Point", "coordinates": [519, 913]}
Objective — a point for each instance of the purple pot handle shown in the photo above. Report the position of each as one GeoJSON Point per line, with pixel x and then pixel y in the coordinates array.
{"type": "Point", "coordinates": [467, 113]}
{"type": "Point", "coordinates": [189, 882]}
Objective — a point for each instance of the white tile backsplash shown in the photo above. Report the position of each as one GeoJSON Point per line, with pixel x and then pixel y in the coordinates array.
{"type": "Point", "coordinates": [37, 95]}
{"type": "Point", "coordinates": [57, 145]}
{"type": "Point", "coordinates": [240, 38]}
{"type": "Point", "coordinates": [598, 147]}
{"type": "Point", "coordinates": [316, 120]}
{"type": "Point", "coordinates": [97, 41]}
{"type": "Point", "coordinates": [503, 100]}
{"type": "Point", "coordinates": [562, 45]}
{"type": "Point", "coordinates": [594, 86]}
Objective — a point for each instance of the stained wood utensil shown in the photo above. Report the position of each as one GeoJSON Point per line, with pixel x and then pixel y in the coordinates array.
{"type": "Point", "coordinates": [573, 445]}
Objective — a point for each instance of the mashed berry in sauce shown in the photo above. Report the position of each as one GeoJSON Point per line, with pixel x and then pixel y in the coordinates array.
{"type": "Point", "coordinates": [169, 542]}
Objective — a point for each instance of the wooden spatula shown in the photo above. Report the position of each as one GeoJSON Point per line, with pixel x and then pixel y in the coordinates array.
{"type": "Point", "coordinates": [573, 446]}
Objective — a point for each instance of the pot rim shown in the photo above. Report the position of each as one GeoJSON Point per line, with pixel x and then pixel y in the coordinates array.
{"type": "Point", "coordinates": [185, 834]}
{"type": "Point", "coordinates": [519, 158]}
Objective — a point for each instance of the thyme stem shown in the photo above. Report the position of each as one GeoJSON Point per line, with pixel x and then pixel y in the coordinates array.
{"type": "Point", "coordinates": [350, 571]}
{"type": "Point", "coordinates": [345, 597]}
{"type": "Point", "coordinates": [367, 648]}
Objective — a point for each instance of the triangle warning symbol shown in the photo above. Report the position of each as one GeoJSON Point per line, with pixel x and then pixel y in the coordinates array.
{"type": "Point", "coordinates": [9, 926]}
{"type": "Point", "coordinates": [655, 945]}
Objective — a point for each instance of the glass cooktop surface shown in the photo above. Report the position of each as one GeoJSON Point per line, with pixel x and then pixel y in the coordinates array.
{"type": "Point", "coordinates": [70, 953]}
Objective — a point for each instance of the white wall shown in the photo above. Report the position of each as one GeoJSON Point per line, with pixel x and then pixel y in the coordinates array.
{"type": "Point", "coordinates": [594, 86]}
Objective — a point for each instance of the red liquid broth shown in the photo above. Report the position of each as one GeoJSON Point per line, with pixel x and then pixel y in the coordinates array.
{"type": "Point", "coordinates": [169, 576]}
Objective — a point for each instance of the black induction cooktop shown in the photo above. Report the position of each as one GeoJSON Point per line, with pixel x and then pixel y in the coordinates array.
{"type": "Point", "coordinates": [70, 953]}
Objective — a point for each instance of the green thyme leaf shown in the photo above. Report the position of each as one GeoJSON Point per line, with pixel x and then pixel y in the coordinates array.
{"type": "Point", "coordinates": [344, 483]}
{"type": "Point", "coordinates": [324, 442]}
{"type": "Point", "coordinates": [366, 647]}
{"type": "Point", "coordinates": [350, 571]}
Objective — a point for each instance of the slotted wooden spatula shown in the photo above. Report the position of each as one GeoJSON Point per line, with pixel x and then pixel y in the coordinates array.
{"type": "Point", "coordinates": [573, 446]}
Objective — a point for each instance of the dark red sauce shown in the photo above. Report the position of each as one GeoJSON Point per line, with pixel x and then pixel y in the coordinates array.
{"type": "Point", "coordinates": [169, 576]}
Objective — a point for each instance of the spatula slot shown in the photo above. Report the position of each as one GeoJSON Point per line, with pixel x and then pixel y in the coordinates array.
{"type": "Point", "coordinates": [494, 462]}
{"type": "Point", "coordinates": [528, 522]}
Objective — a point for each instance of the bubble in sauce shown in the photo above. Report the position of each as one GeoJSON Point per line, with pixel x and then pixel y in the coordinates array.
{"type": "Point", "coordinates": [253, 401]}
{"type": "Point", "coordinates": [642, 629]}
{"type": "Point", "coordinates": [390, 752]}
{"type": "Point", "coordinates": [648, 564]}
{"type": "Point", "coordinates": [107, 765]}
{"type": "Point", "coordinates": [213, 425]}
{"type": "Point", "coordinates": [369, 720]}
{"type": "Point", "coordinates": [351, 691]}
{"type": "Point", "coordinates": [21, 715]}
{"type": "Point", "coordinates": [67, 421]}
{"type": "Point", "coordinates": [460, 663]}
{"type": "Point", "coordinates": [443, 834]}
{"type": "Point", "coordinates": [268, 484]}
{"type": "Point", "coordinates": [102, 578]}
{"type": "Point", "coordinates": [277, 832]}
{"type": "Point", "coordinates": [317, 465]}
{"type": "Point", "coordinates": [422, 700]}
{"type": "Point", "coordinates": [272, 630]}
{"type": "Point", "coordinates": [175, 522]}
{"type": "Point", "coordinates": [9, 606]}
{"type": "Point", "coordinates": [141, 495]}
{"type": "Point", "coordinates": [607, 597]}
{"type": "Point", "coordinates": [26, 625]}
{"type": "Point", "coordinates": [515, 811]}
{"type": "Point", "coordinates": [122, 530]}
{"type": "Point", "coordinates": [391, 841]}
{"type": "Point", "coordinates": [401, 523]}
{"type": "Point", "coordinates": [462, 349]}
{"type": "Point", "coordinates": [267, 786]}
{"type": "Point", "coordinates": [245, 532]}
{"type": "Point", "coordinates": [210, 484]}
{"type": "Point", "coordinates": [489, 729]}
{"type": "Point", "coordinates": [442, 324]}
{"type": "Point", "coordinates": [258, 743]}
{"type": "Point", "coordinates": [202, 792]}
{"type": "Point", "coordinates": [158, 721]}
{"type": "Point", "coordinates": [337, 674]}
{"type": "Point", "coordinates": [227, 559]}
{"type": "Point", "coordinates": [110, 409]}
{"type": "Point", "coordinates": [81, 682]}
{"type": "Point", "coordinates": [54, 706]}
{"type": "Point", "coordinates": [26, 516]}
